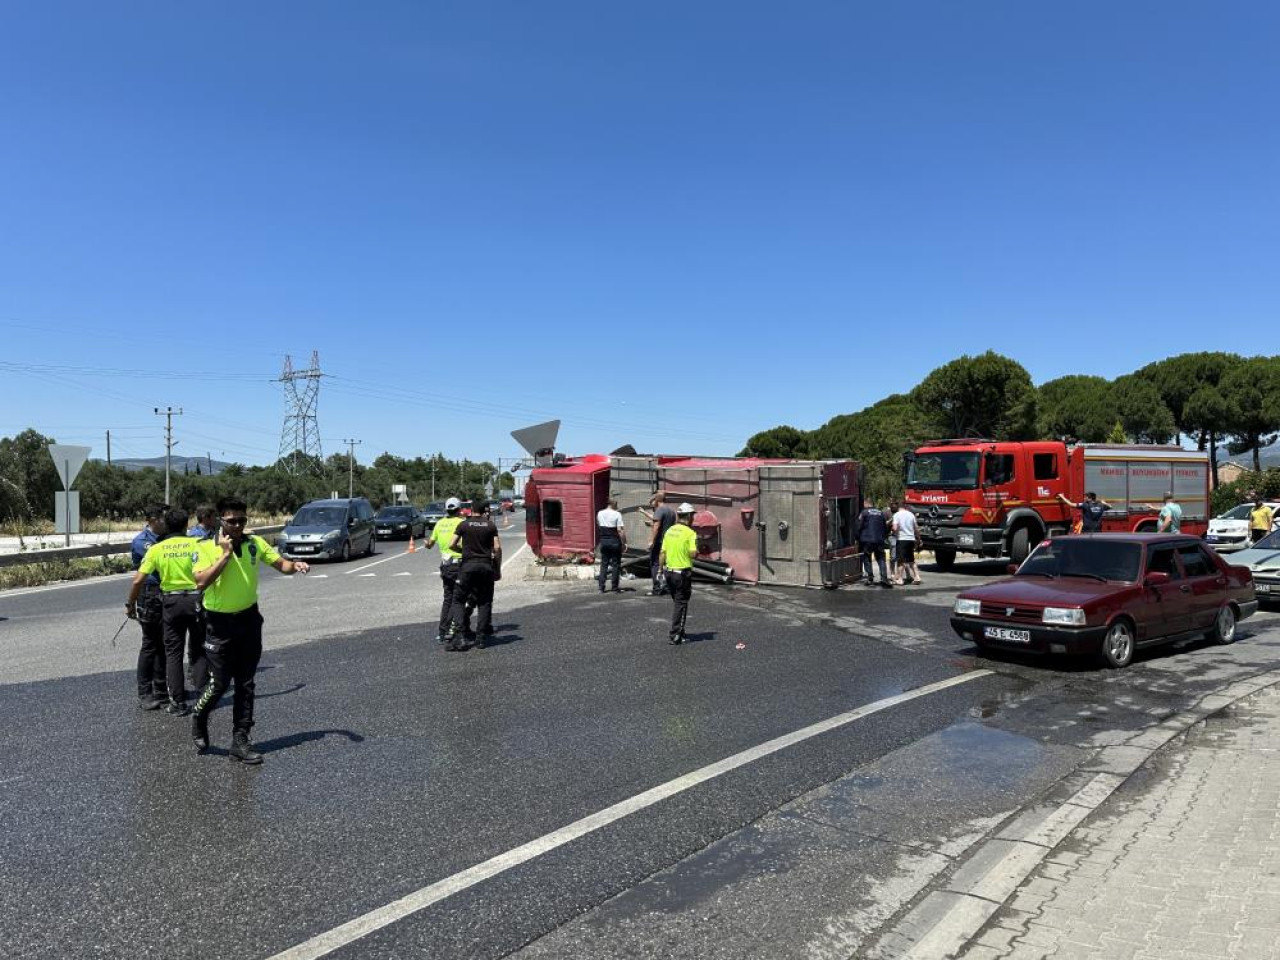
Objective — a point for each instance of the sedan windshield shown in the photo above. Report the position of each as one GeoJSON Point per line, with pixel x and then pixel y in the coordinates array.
{"type": "Point", "coordinates": [320, 517]}
{"type": "Point", "coordinates": [395, 513]}
{"type": "Point", "coordinates": [1237, 513]}
{"type": "Point", "coordinates": [1084, 557]}
{"type": "Point", "coordinates": [953, 470]}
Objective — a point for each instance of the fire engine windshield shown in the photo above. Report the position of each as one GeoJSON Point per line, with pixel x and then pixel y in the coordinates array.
{"type": "Point", "coordinates": [946, 470]}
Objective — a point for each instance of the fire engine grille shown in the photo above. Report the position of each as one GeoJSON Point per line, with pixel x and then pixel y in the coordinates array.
{"type": "Point", "coordinates": [1001, 611]}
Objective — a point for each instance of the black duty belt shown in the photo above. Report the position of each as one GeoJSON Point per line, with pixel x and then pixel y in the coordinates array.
{"type": "Point", "coordinates": [183, 593]}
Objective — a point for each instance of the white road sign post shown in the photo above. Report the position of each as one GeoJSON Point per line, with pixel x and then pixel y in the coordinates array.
{"type": "Point", "coordinates": [67, 460]}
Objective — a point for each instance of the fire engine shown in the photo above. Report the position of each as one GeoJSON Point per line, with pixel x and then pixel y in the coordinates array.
{"type": "Point", "coordinates": [997, 498]}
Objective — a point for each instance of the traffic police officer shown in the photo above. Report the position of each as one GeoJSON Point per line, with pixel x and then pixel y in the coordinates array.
{"type": "Point", "coordinates": [227, 572]}
{"type": "Point", "coordinates": [679, 546]}
{"type": "Point", "coordinates": [477, 537]}
{"type": "Point", "coordinates": [151, 666]}
{"type": "Point", "coordinates": [450, 560]}
{"type": "Point", "coordinates": [172, 560]}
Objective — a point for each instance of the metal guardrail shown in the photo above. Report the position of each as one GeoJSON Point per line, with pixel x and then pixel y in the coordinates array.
{"type": "Point", "coordinates": [92, 550]}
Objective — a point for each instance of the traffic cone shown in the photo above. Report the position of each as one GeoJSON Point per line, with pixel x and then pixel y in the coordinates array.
{"type": "Point", "coordinates": [413, 547]}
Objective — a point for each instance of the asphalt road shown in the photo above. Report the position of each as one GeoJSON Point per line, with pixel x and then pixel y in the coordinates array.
{"type": "Point", "coordinates": [394, 767]}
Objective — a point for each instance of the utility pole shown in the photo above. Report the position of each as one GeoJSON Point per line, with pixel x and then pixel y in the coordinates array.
{"type": "Point", "coordinates": [168, 413]}
{"type": "Point", "coordinates": [351, 466]}
{"type": "Point", "coordinates": [433, 479]}
{"type": "Point", "coordinates": [108, 449]}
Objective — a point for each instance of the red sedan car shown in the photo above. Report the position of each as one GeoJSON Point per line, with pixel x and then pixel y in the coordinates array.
{"type": "Point", "coordinates": [1110, 595]}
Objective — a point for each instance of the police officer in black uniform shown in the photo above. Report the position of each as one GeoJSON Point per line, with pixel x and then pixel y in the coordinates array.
{"type": "Point", "coordinates": [477, 537]}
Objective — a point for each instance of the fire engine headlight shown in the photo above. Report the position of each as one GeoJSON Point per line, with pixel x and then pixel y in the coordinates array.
{"type": "Point", "coordinates": [968, 608]}
{"type": "Point", "coordinates": [1066, 616]}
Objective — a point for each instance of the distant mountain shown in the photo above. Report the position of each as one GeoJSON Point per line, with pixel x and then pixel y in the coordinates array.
{"type": "Point", "coordinates": [177, 465]}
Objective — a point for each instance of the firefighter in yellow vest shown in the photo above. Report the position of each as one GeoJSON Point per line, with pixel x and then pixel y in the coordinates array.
{"type": "Point", "coordinates": [450, 562]}
{"type": "Point", "coordinates": [173, 561]}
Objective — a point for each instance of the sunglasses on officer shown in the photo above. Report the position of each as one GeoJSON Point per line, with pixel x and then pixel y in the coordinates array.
{"type": "Point", "coordinates": [235, 521]}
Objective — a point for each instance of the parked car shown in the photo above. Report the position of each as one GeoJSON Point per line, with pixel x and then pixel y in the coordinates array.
{"type": "Point", "coordinates": [1110, 595]}
{"type": "Point", "coordinates": [1263, 561]}
{"type": "Point", "coordinates": [328, 530]}
{"type": "Point", "coordinates": [433, 513]}
{"type": "Point", "coordinates": [1230, 531]}
{"type": "Point", "coordinates": [399, 523]}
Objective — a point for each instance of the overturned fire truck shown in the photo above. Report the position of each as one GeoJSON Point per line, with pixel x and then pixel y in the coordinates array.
{"type": "Point", "coordinates": [757, 520]}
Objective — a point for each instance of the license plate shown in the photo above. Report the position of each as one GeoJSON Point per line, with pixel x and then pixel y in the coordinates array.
{"type": "Point", "coordinates": [1007, 633]}
{"type": "Point", "coordinates": [302, 548]}
{"type": "Point", "coordinates": [384, 530]}
{"type": "Point", "coordinates": [1262, 587]}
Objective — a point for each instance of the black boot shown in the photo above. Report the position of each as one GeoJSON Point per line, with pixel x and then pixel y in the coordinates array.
{"type": "Point", "coordinates": [242, 749]}
{"type": "Point", "coordinates": [176, 708]}
{"type": "Point", "coordinates": [200, 732]}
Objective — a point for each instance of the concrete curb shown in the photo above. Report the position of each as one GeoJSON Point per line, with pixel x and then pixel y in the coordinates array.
{"type": "Point", "coordinates": [943, 923]}
{"type": "Point", "coordinates": [567, 571]}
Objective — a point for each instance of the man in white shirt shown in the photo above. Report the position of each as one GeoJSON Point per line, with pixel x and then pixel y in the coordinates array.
{"type": "Point", "coordinates": [613, 540]}
{"type": "Point", "coordinates": [904, 527]}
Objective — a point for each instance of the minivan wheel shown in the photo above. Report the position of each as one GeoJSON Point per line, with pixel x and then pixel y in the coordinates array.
{"type": "Point", "coordinates": [1117, 645]}
{"type": "Point", "coordinates": [346, 550]}
{"type": "Point", "coordinates": [368, 551]}
{"type": "Point", "coordinates": [1224, 626]}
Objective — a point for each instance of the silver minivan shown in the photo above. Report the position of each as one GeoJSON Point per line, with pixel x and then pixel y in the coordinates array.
{"type": "Point", "coordinates": [329, 530]}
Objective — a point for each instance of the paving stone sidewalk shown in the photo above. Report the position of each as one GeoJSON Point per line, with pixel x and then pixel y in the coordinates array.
{"type": "Point", "coordinates": [1182, 862]}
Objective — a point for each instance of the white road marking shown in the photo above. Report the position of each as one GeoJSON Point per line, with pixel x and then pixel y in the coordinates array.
{"type": "Point", "coordinates": [402, 573]}
{"type": "Point", "coordinates": [363, 575]}
{"type": "Point", "coordinates": [394, 556]}
{"type": "Point", "coordinates": [511, 559]}
{"type": "Point", "coordinates": [87, 581]}
{"type": "Point", "coordinates": [317, 576]}
{"type": "Point", "coordinates": [362, 926]}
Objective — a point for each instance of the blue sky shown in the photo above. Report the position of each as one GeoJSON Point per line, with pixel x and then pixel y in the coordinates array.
{"type": "Point", "coordinates": [669, 224]}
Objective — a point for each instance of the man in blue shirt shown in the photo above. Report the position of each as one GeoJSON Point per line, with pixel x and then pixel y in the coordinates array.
{"type": "Point", "coordinates": [871, 530]}
{"type": "Point", "coordinates": [206, 522]}
{"type": "Point", "coordinates": [153, 692]}
{"type": "Point", "coordinates": [1091, 511]}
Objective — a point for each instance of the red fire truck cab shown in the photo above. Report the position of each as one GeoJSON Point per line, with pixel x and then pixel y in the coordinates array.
{"type": "Point", "coordinates": [999, 499]}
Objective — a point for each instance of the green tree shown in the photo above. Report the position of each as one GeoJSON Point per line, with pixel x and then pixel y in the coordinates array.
{"type": "Point", "coordinates": [1142, 411]}
{"type": "Point", "coordinates": [1117, 434]}
{"type": "Point", "coordinates": [28, 479]}
{"type": "Point", "coordinates": [984, 396]}
{"type": "Point", "coordinates": [877, 437]}
{"type": "Point", "coordinates": [779, 442]}
{"type": "Point", "coordinates": [1250, 398]}
{"type": "Point", "coordinates": [1076, 407]}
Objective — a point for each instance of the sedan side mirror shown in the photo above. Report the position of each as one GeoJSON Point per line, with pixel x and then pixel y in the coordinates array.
{"type": "Point", "coordinates": [351, 522]}
{"type": "Point", "coordinates": [1155, 578]}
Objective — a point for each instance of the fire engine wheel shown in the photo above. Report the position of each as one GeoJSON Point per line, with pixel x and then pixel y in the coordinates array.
{"type": "Point", "coordinates": [945, 558]}
{"type": "Point", "coordinates": [1020, 545]}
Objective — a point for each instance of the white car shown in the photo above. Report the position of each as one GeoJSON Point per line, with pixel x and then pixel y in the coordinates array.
{"type": "Point", "coordinates": [1230, 531]}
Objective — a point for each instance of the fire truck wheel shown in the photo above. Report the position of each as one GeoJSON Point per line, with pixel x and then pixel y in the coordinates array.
{"type": "Point", "coordinates": [1020, 545]}
{"type": "Point", "coordinates": [945, 558]}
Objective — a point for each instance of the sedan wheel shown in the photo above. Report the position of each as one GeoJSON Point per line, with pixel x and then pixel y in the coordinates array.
{"type": "Point", "coordinates": [346, 550]}
{"type": "Point", "coordinates": [1117, 645]}
{"type": "Point", "coordinates": [1224, 627]}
